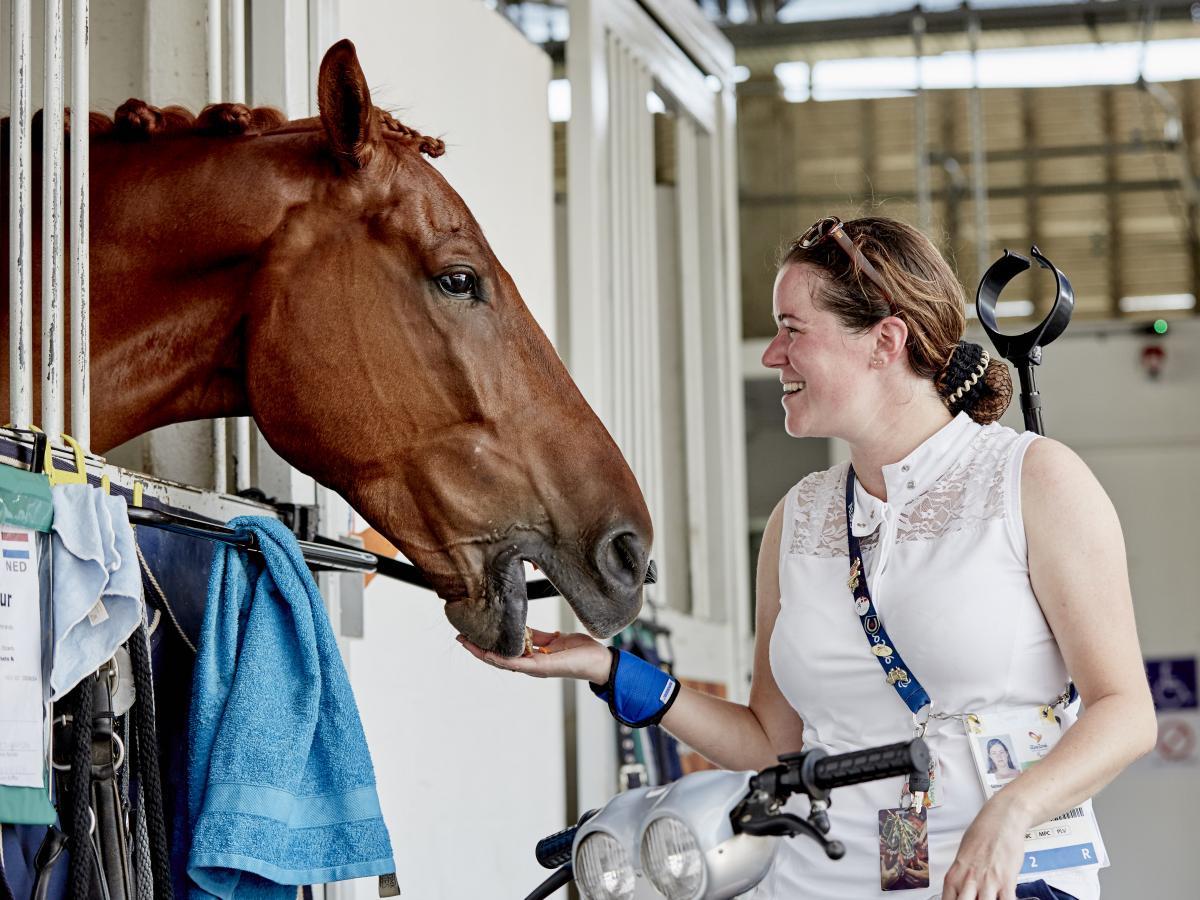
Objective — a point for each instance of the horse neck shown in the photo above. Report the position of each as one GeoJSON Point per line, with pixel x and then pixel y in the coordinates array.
{"type": "Point", "coordinates": [177, 232]}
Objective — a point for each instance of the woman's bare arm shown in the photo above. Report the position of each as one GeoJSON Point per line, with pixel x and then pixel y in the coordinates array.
{"type": "Point", "coordinates": [729, 734]}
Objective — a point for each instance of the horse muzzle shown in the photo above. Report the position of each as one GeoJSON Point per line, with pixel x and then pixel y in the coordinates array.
{"type": "Point", "coordinates": [601, 582]}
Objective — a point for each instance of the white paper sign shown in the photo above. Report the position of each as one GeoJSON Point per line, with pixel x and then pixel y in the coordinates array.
{"type": "Point", "coordinates": [21, 755]}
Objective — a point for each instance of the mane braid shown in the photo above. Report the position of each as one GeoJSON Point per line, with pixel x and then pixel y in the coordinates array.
{"type": "Point", "coordinates": [136, 120]}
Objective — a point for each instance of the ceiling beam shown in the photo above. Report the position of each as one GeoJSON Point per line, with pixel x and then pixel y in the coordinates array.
{"type": "Point", "coordinates": [1091, 14]}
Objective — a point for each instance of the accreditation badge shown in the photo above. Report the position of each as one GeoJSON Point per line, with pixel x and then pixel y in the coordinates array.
{"type": "Point", "coordinates": [1003, 746]}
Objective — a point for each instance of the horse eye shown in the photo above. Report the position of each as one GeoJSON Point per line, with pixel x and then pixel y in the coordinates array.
{"type": "Point", "coordinates": [460, 285]}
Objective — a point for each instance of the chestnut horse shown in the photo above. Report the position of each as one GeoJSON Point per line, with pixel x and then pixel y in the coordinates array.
{"type": "Point", "coordinates": [321, 276]}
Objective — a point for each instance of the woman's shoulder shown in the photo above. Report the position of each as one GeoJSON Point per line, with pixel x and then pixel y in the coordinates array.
{"type": "Point", "coordinates": [813, 520]}
{"type": "Point", "coordinates": [817, 484]}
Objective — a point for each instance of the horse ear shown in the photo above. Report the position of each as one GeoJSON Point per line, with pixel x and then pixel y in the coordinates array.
{"type": "Point", "coordinates": [345, 103]}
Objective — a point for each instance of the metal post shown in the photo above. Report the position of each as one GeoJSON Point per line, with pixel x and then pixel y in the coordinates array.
{"type": "Point", "coordinates": [81, 383]}
{"type": "Point", "coordinates": [237, 88]}
{"type": "Point", "coordinates": [978, 155]}
{"type": "Point", "coordinates": [920, 137]}
{"type": "Point", "coordinates": [213, 23]}
{"type": "Point", "coordinates": [52, 222]}
{"type": "Point", "coordinates": [213, 38]}
{"type": "Point", "coordinates": [237, 51]}
{"type": "Point", "coordinates": [20, 244]}
{"type": "Point", "coordinates": [241, 453]}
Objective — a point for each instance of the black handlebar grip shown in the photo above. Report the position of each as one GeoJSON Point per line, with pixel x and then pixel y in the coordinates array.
{"type": "Point", "coordinates": [871, 765]}
{"type": "Point", "coordinates": [555, 850]}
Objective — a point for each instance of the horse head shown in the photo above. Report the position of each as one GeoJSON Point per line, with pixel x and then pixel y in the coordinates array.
{"type": "Point", "coordinates": [390, 355]}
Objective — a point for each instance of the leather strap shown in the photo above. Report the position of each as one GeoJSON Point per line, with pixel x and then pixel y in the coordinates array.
{"type": "Point", "coordinates": [111, 836]}
{"type": "Point", "coordinates": [44, 861]}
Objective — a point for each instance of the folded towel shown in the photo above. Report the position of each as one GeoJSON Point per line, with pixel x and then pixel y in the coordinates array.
{"type": "Point", "coordinates": [281, 790]}
{"type": "Point", "coordinates": [96, 587]}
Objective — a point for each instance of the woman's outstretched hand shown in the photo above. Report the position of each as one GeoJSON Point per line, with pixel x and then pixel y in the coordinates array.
{"type": "Point", "coordinates": [558, 656]}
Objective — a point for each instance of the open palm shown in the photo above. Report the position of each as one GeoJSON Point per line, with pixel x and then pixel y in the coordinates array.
{"type": "Point", "coordinates": [574, 655]}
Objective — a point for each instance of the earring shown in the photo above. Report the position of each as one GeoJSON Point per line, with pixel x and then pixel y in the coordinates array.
{"type": "Point", "coordinates": [877, 362]}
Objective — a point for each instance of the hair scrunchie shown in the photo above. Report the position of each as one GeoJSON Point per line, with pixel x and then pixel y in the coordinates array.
{"type": "Point", "coordinates": [964, 370]}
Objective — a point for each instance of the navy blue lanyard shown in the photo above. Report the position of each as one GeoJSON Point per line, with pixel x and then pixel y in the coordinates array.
{"type": "Point", "coordinates": [897, 673]}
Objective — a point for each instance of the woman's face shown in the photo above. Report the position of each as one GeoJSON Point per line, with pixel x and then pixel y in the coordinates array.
{"type": "Point", "coordinates": [821, 365]}
{"type": "Point", "coordinates": [999, 756]}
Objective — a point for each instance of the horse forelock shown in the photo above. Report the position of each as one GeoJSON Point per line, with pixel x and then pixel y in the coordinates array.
{"type": "Point", "coordinates": [137, 120]}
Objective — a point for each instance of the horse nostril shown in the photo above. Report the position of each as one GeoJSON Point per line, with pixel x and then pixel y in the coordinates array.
{"type": "Point", "coordinates": [623, 559]}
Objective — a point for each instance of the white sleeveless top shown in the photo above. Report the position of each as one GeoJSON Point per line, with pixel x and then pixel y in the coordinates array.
{"type": "Point", "coordinates": [948, 572]}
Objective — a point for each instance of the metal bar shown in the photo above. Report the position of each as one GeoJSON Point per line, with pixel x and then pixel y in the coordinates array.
{"type": "Point", "coordinates": [612, 349]}
{"type": "Point", "coordinates": [994, 193]}
{"type": "Point", "coordinates": [1097, 13]}
{"type": "Point", "coordinates": [952, 175]}
{"type": "Point", "coordinates": [1112, 203]}
{"type": "Point", "coordinates": [237, 51]}
{"type": "Point", "coordinates": [693, 268]}
{"type": "Point", "coordinates": [652, 398]}
{"type": "Point", "coordinates": [79, 212]}
{"type": "Point", "coordinates": [241, 453]}
{"type": "Point", "coordinates": [1033, 234]}
{"type": "Point", "coordinates": [978, 157]}
{"type": "Point", "coordinates": [920, 135]}
{"type": "Point", "coordinates": [214, 40]}
{"type": "Point", "coordinates": [20, 242]}
{"type": "Point", "coordinates": [868, 147]}
{"type": "Point", "coordinates": [322, 552]}
{"type": "Point", "coordinates": [220, 451]}
{"type": "Point", "coordinates": [634, 333]}
{"type": "Point", "coordinates": [52, 222]}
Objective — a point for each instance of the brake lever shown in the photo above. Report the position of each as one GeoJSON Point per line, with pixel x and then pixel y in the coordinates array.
{"type": "Point", "coordinates": [788, 825]}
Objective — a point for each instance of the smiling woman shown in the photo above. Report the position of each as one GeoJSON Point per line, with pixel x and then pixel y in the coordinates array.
{"type": "Point", "coordinates": [941, 518]}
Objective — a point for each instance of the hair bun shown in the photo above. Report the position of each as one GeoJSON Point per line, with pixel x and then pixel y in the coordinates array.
{"type": "Point", "coordinates": [974, 382]}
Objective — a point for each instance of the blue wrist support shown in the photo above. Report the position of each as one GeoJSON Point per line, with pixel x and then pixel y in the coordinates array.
{"type": "Point", "coordinates": [637, 693]}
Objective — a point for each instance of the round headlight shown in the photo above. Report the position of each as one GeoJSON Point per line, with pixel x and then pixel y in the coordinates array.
{"type": "Point", "coordinates": [602, 868]}
{"type": "Point", "coordinates": [672, 859]}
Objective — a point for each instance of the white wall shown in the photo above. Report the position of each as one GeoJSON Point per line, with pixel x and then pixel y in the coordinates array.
{"type": "Point", "coordinates": [469, 758]}
{"type": "Point", "coordinates": [1142, 440]}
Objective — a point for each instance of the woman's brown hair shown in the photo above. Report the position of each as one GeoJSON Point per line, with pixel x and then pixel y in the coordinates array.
{"type": "Point", "coordinates": [923, 292]}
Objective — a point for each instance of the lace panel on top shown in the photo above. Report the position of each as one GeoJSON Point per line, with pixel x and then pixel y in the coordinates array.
{"type": "Point", "coordinates": [969, 494]}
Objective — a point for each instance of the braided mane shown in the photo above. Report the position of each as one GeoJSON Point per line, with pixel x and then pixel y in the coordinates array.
{"type": "Point", "coordinates": [136, 120]}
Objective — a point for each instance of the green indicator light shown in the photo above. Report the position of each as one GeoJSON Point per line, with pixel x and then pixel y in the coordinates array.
{"type": "Point", "coordinates": [1160, 326]}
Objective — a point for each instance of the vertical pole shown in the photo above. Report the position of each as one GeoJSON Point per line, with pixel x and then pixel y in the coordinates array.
{"type": "Point", "coordinates": [81, 381]}
{"type": "Point", "coordinates": [52, 222]}
{"type": "Point", "coordinates": [978, 156]}
{"type": "Point", "coordinates": [1112, 203]}
{"type": "Point", "coordinates": [241, 453]}
{"type": "Point", "coordinates": [237, 51]}
{"type": "Point", "coordinates": [921, 136]}
{"type": "Point", "coordinates": [213, 37]}
{"type": "Point", "coordinates": [20, 294]}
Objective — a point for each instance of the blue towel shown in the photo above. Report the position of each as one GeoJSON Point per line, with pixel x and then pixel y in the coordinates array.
{"type": "Point", "coordinates": [96, 587]}
{"type": "Point", "coordinates": [281, 790]}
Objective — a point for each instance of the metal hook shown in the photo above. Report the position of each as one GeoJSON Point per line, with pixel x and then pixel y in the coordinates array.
{"type": "Point", "coordinates": [1024, 350]}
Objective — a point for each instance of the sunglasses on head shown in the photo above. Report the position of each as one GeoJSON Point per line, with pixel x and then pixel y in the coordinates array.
{"type": "Point", "coordinates": [832, 227]}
